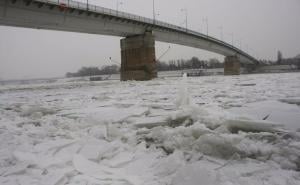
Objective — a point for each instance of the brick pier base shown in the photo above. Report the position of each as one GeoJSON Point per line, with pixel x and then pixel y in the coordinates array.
{"type": "Point", "coordinates": [138, 57]}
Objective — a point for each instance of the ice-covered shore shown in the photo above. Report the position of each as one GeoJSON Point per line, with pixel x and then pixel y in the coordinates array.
{"type": "Point", "coordinates": [209, 130]}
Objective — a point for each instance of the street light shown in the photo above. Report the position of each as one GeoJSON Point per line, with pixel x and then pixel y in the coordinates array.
{"type": "Point", "coordinates": [87, 4]}
{"type": "Point", "coordinates": [118, 3]}
{"type": "Point", "coordinates": [153, 11]}
{"type": "Point", "coordinates": [186, 17]}
{"type": "Point", "coordinates": [239, 43]}
{"type": "Point", "coordinates": [247, 48]}
{"type": "Point", "coordinates": [231, 38]}
{"type": "Point", "coordinates": [221, 32]}
{"type": "Point", "coordinates": [206, 21]}
{"type": "Point", "coordinates": [199, 30]}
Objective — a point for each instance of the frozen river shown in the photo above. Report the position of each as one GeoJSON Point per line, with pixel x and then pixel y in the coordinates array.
{"type": "Point", "coordinates": [203, 130]}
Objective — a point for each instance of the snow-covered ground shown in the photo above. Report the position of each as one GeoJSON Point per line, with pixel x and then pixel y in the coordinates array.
{"type": "Point", "coordinates": [211, 130]}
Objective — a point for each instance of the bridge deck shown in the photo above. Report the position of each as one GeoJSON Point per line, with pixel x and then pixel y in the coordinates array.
{"type": "Point", "coordinates": [149, 24]}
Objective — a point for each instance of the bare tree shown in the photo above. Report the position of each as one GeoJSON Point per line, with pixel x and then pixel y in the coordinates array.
{"type": "Point", "coordinates": [279, 57]}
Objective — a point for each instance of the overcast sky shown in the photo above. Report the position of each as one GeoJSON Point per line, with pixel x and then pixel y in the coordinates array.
{"type": "Point", "coordinates": [261, 27]}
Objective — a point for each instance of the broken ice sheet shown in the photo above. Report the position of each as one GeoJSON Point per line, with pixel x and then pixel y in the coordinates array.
{"type": "Point", "coordinates": [295, 101]}
{"type": "Point", "coordinates": [107, 114]}
{"type": "Point", "coordinates": [277, 112]}
{"type": "Point", "coordinates": [104, 174]}
{"type": "Point", "coordinates": [104, 133]}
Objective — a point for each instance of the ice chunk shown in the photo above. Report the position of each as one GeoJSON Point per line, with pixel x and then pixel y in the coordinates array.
{"type": "Point", "coordinates": [247, 172]}
{"type": "Point", "coordinates": [36, 111]}
{"type": "Point", "coordinates": [183, 98]}
{"type": "Point", "coordinates": [121, 159]}
{"type": "Point", "coordinates": [215, 145]}
{"type": "Point", "coordinates": [295, 101]}
{"type": "Point", "coordinates": [169, 165]}
{"type": "Point", "coordinates": [26, 157]}
{"type": "Point", "coordinates": [174, 120]}
{"type": "Point", "coordinates": [279, 112]}
{"type": "Point", "coordinates": [16, 170]}
{"type": "Point", "coordinates": [251, 126]}
{"type": "Point", "coordinates": [182, 138]}
{"type": "Point", "coordinates": [98, 132]}
{"type": "Point", "coordinates": [56, 177]}
{"type": "Point", "coordinates": [103, 173]}
{"type": "Point", "coordinates": [195, 175]}
{"type": "Point", "coordinates": [107, 114]}
{"type": "Point", "coordinates": [53, 146]}
{"type": "Point", "coordinates": [112, 132]}
{"type": "Point", "coordinates": [93, 148]}
{"type": "Point", "coordinates": [45, 156]}
{"type": "Point", "coordinates": [90, 168]}
{"type": "Point", "coordinates": [150, 122]}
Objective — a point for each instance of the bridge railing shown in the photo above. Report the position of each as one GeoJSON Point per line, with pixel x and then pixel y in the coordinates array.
{"type": "Point", "coordinates": [111, 12]}
{"type": "Point", "coordinates": [107, 11]}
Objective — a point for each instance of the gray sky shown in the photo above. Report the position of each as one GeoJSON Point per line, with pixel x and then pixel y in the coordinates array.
{"type": "Point", "coordinates": [261, 27]}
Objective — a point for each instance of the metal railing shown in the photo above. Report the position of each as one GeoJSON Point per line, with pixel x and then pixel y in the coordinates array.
{"type": "Point", "coordinates": [124, 15]}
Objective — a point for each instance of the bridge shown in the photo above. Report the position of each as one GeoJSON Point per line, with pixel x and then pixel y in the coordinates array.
{"type": "Point", "coordinates": [138, 61]}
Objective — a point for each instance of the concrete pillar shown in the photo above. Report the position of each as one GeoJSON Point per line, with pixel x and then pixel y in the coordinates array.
{"type": "Point", "coordinates": [138, 57]}
{"type": "Point", "coordinates": [232, 65]}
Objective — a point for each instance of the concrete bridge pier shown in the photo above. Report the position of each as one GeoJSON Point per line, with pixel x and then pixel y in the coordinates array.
{"type": "Point", "coordinates": [138, 57]}
{"type": "Point", "coordinates": [232, 65]}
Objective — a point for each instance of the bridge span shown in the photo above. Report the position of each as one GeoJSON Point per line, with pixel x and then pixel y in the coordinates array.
{"type": "Point", "coordinates": [138, 61]}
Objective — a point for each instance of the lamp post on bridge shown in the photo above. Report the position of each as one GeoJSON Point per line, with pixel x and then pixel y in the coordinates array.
{"type": "Point", "coordinates": [206, 21]}
{"type": "Point", "coordinates": [221, 32]}
{"type": "Point", "coordinates": [241, 48]}
{"type": "Point", "coordinates": [118, 4]}
{"type": "Point", "coordinates": [186, 17]}
{"type": "Point", "coordinates": [153, 11]}
{"type": "Point", "coordinates": [239, 43]}
{"type": "Point", "coordinates": [247, 48]}
{"type": "Point", "coordinates": [231, 38]}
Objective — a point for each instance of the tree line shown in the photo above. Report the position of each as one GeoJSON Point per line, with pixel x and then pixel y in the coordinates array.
{"type": "Point", "coordinates": [180, 64]}
{"type": "Point", "coordinates": [193, 63]}
{"type": "Point", "coordinates": [282, 61]}
{"type": "Point", "coordinates": [93, 71]}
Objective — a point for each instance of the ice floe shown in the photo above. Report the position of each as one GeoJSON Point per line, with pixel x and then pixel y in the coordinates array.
{"type": "Point", "coordinates": [208, 130]}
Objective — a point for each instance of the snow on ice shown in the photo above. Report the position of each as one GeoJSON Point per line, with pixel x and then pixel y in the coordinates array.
{"type": "Point", "coordinates": [215, 130]}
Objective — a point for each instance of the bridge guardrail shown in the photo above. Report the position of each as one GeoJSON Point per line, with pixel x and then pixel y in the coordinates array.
{"type": "Point", "coordinates": [110, 12]}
